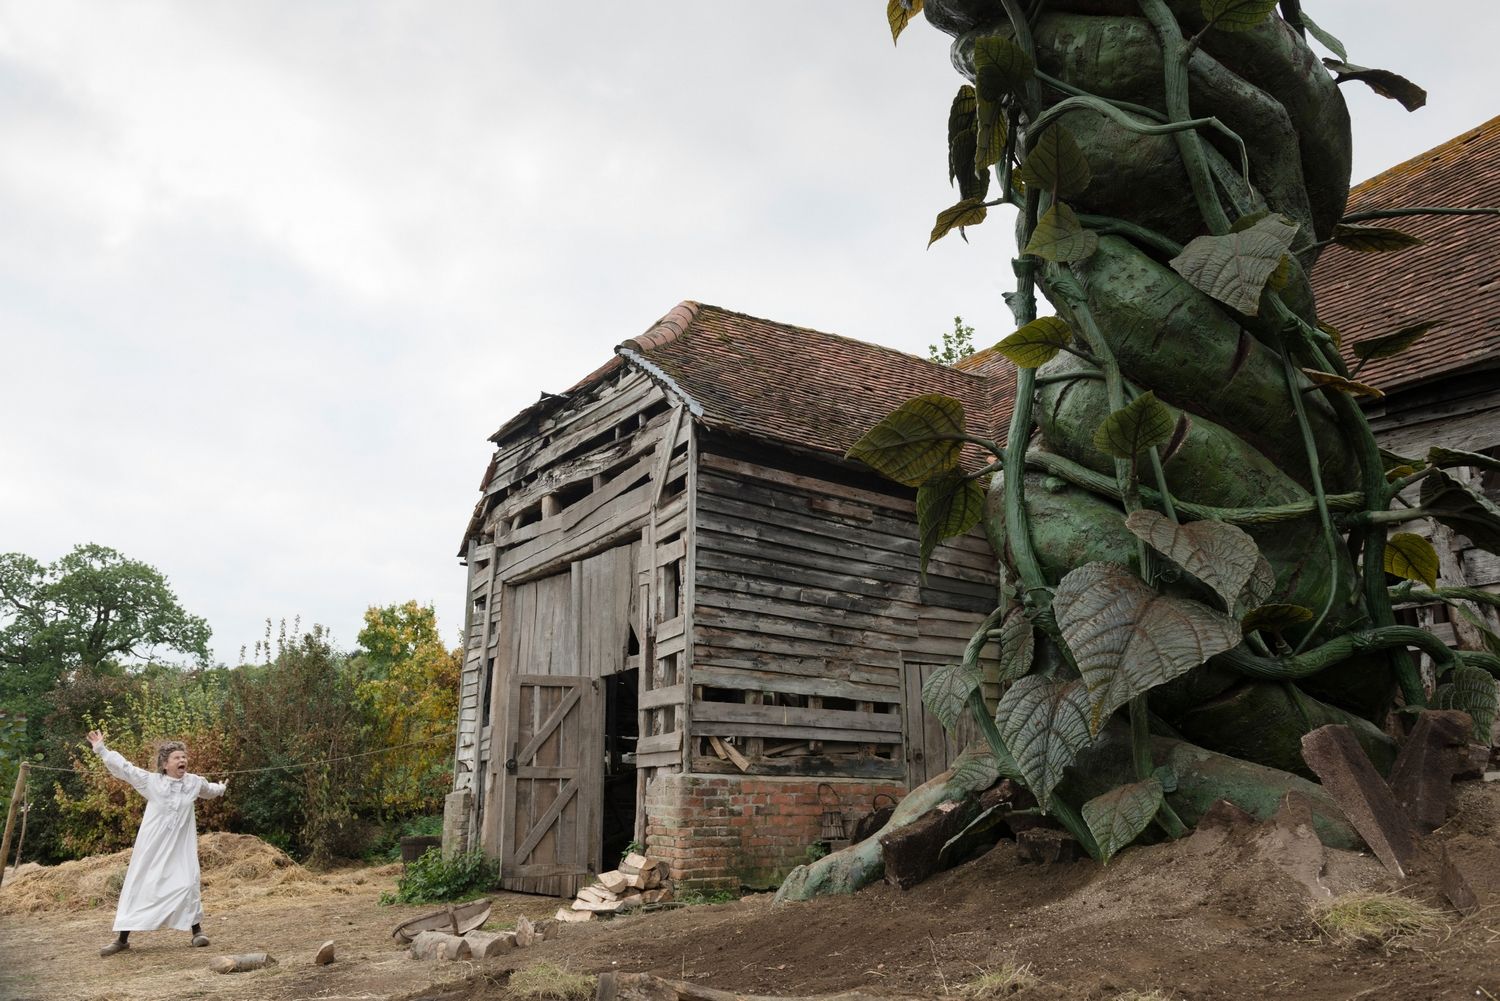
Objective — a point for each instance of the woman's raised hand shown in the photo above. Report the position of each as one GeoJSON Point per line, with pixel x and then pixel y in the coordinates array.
{"type": "Point", "coordinates": [95, 738]}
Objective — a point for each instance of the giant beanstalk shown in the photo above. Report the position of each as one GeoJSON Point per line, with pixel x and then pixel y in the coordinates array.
{"type": "Point", "coordinates": [1179, 165]}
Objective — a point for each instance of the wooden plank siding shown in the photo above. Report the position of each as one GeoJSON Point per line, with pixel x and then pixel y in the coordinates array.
{"type": "Point", "coordinates": [810, 624]}
{"type": "Point", "coordinates": [553, 582]}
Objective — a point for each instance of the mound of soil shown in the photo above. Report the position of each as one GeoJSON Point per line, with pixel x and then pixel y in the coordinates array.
{"type": "Point", "coordinates": [232, 864]}
{"type": "Point", "coordinates": [1223, 914]}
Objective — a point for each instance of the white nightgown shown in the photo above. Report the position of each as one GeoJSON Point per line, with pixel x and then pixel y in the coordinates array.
{"type": "Point", "coordinates": [161, 887]}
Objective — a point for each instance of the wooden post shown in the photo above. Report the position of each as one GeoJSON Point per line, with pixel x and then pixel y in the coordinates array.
{"type": "Point", "coordinates": [10, 816]}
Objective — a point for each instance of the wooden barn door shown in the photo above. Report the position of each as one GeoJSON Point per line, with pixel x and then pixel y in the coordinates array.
{"type": "Point", "coordinates": [552, 780]}
{"type": "Point", "coordinates": [930, 749]}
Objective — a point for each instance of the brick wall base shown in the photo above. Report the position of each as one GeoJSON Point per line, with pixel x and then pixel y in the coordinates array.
{"type": "Point", "coordinates": [729, 831]}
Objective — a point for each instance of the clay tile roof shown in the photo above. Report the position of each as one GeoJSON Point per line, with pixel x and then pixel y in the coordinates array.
{"type": "Point", "coordinates": [1453, 277]}
{"type": "Point", "coordinates": [798, 386]}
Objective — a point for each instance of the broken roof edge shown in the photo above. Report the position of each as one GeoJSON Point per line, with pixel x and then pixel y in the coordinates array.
{"type": "Point", "coordinates": [661, 378]}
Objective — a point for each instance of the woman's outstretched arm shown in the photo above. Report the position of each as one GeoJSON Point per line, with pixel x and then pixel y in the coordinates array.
{"type": "Point", "coordinates": [117, 766]}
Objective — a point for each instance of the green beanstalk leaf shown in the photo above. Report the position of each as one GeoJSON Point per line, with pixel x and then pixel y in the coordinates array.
{"type": "Point", "coordinates": [1119, 816]}
{"type": "Point", "coordinates": [1044, 722]}
{"type": "Point", "coordinates": [1412, 557]}
{"type": "Point", "coordinates": [915, 441]}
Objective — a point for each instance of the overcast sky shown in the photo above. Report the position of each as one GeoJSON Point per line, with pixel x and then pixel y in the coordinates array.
{"type": "Point", "coordinates": [271, 272]}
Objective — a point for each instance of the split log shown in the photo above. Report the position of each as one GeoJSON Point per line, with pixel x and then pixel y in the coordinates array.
{"type": "Point", "coordinates": [614, 881]}
{"type": "Point", "coordinates": [243, 963]}
{"type": "Point", "coordinates": [645, 987]}
{"type": "Point", "coordinates": [525, 934]}
{"type": "Point", "coordinates": [439, 945]}
{"type": "Point", "coordinates": [488, 944]}
{"type": "Point", "coordinates": [325, 954]}
{"type": "Point", "coordinates": [862, 864]}
{"type": "Point", "coordinates": [571, 916]}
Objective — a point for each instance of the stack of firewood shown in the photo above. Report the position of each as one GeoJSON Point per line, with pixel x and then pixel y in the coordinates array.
{"type": "Point", "coordinates": [638, 881]}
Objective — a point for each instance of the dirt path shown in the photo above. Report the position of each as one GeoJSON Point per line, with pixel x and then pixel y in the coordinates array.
{"type": "Point", "coordinates": [1222, 916]}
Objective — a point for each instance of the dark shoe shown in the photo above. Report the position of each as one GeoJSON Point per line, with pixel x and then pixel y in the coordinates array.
{"type": "Point", "coordinates": [114, 947]}
{"type": "Point", "coordinates": [200, 940]}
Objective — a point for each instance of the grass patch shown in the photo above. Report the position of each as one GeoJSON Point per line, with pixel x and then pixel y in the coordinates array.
{"type": "Point", "coordinates": [1374, 917]}
{"type": "Point", "coordinates": [549, 981]}
{"type": "Point", "coordinates": [1155, 994]}
{"type": "Point", "coordinates": [1007, 978]}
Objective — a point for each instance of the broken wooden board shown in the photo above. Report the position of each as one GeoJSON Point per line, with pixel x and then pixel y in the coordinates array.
{"type": "Point", "coordinates": [1436, 751]}
{"type": "Point", "coordinates": [1333, 753]}
{"type": "Point", "coordinates": [724, 749]}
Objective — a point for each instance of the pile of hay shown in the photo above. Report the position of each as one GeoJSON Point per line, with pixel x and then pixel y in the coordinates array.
{"type": "Point", "coordinates": [230, 863]}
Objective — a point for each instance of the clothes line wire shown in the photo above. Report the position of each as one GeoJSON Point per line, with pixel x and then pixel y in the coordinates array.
{"type": "Point", "coordinates": [276, 768]}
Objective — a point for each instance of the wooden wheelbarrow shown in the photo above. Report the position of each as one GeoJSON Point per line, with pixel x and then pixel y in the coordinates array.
{"type": "Point", "coordinates": [456, 919]}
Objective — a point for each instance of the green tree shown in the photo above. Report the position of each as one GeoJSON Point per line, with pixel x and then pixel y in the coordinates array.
{"type": "Point", "coordinates": [409, 681]}
{"type": "Point", "coordinates": [304, 734]}
{"type": "Point", "coordinates": [958, 344]}
{"type": "Point", "coordinates": [90, 612]}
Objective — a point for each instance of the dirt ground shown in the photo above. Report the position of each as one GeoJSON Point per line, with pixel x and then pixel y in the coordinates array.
{"type": "Point", "coordinates": [1224, 914]}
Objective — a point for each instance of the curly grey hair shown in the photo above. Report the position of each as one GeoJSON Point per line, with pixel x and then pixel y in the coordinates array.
{"type": "Point", "coordinates": [164, 751]}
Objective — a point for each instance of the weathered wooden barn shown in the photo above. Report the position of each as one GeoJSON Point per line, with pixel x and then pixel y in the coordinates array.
{"type": "Point", "coordinates": [691, 622]}
{"type": "Point", "coordinates": [1445, 390]}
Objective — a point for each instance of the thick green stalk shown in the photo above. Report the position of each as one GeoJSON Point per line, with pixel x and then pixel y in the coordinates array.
{"type": "Point", "coordinates": [1330, 536]}
{"type": "Point", "coordinates": [1478, 658]}
{"type": "Point", "coordinates": [1081, 476]}
{"type": "Point", "coordinates": [1336, 650]}
{"type": "Point", "coordinates": [1404, 594]}
{"type": "Point", "coordinates": [1175, 54]}
{"type": "Point", "coordinates": [1183, 129]}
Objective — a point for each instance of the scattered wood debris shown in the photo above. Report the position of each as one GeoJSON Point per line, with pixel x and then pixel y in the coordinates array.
{"type": "Point", "coordinates": [477, 944]}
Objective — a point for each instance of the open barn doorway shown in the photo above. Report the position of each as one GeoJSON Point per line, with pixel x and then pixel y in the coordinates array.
{"type": "Point", "coordinates": [621, 729]}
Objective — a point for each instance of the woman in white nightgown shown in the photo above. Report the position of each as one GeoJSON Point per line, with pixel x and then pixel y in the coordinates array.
{"type": "Point", "coordinates": [161, 887]}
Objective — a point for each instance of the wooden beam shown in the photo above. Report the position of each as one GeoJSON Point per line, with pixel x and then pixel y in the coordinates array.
{"type": "Point", "coordinates": [659, 742]}
{"type": "Point", "coordinates": [704, 728]}
{"type": "Point", "coordinates": [781, 716]}
{"type": "Point", "coordinates": [672, 695]}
